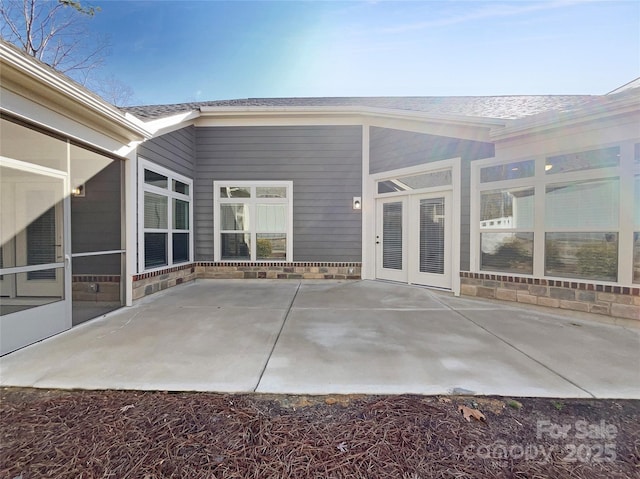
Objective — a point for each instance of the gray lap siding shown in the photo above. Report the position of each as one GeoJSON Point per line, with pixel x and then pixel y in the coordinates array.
{"type": "Point", "coordinates": [323, 162]}
{"type": "Point", "coordinates": [393, 149]}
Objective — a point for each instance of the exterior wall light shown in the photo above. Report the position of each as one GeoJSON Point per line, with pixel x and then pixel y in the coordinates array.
{"type": "Point", "coordinates": [357, 203]}
{"type": "Point", "coordinates": [78, 191]}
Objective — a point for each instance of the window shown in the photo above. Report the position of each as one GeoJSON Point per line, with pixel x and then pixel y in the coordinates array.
{"type": "Point", "coordinates": [581, 223]}
{"type": "Point", "coordinates": [165, 217]}
{"type": "Point", "coordinates": [558, 216]}
{"type": "Point", "coordinates": [506, 230]}
{"type": "Point", "coordinates": [253, 221]}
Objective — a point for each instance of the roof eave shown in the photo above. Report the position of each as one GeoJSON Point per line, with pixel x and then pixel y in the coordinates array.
{"type": "Point", "coordinates": [306, 111]}
{"type": "Point", "coordinates": [43, 85]}
{"type": "Point", "coordinates": [629, 103]}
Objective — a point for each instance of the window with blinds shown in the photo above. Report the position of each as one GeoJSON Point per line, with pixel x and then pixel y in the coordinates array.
{"type": "Point", "coordinates": [253, 220]}
{"type": "Point", "coordinates": [166, 206]}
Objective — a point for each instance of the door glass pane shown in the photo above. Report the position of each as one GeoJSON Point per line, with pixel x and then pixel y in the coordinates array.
{"type": "Point", "coordinates": [236, 246]}
{"type": "Point", "coordinates": [271, 246]}
{"type": "Point", "coordinates": [392, 235]}
{"type": "Point", "coordinates": [234, 217]}
{"type": "Point", "coordinates": [432, 236]}
{"type": "Point", "coordinates": [582, 255]}
{"type": "Point", "coordinates": [155, 211]}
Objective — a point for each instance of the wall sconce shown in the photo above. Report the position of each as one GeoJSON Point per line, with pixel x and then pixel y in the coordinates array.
{"type": "Point", "coordinates": [357, 203]}
{"type": "Point", "coordinates": [78, 191]}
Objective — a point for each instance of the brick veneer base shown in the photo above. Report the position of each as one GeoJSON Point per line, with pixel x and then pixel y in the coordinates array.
{"type": "Point", "coordinates": [615, 301]}
{"type": "Point", "coordinates": [149, 283]}
{"type": "Point", "coordinates": [108, 288]}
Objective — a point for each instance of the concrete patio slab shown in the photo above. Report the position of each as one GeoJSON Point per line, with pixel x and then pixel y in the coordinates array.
{"type": "Point", "coordinates": [391, 352]}
{"type": "Point", "coordinates": [318, 337]}
{"type": "Point", "coordinates": [594, 356]}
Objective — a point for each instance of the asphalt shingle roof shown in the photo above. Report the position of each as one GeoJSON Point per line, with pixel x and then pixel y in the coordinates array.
{"type": "Point", "coordinates": [497, 107]}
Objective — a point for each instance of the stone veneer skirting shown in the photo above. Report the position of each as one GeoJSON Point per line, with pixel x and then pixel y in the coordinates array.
{"type": "Point", "coordinates": [615, 301]}
{"type": "Point", "coordinates": [149, 283]}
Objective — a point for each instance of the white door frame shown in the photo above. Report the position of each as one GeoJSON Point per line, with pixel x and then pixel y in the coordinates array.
{"type": "Point", "coordinates": [392, 274]}
{"type": "Point", "coordinates": [369, 247]}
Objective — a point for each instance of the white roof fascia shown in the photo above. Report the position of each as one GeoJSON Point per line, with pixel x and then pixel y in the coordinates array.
{"type": "Point", "coordinates": [551, 120]}
{"type": "Point", "coordinates": [168, 124]}
{"type": "Point", "coordinates": [58, 82]}
{"type": "Point", "coordinates": [229, 111]}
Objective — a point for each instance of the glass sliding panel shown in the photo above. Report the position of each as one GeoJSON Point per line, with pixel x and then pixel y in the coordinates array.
{"type": "Point", "coordinates": [180, 247]}
{"type": "Point", "coordinates": [271, 192]}
{"type": "Point", "coordinates": [415, 182]}
{"type": "Point", "coordinates": [582, 255]}
{"type": "Point", "coordinates": [24, 300]}
{"type": "Point", "coordinates": [234, 217]}
{"type": "Point", "coordinates": [271, 218]}
{"type": "Point", "coordinates": [235, 192]}
{"type": "Point", "coordinates": [180, 214]}
{"type": "Point", "coordinates": [155, 249]}
{"type": "Point", "coordinates": [432, 236]}
{"type": "Point", "coordinates": [271, 246]}
{"type": "Point", "coordinates": [508, 171]}
{"type": "Point", "coordinates": [507, 209]}
{"type": "Point", "coordinates": [392, 235]}
{"type": "Point", "coordinates": [586, 160]}
{"type": "Point", "coordinates": [507, 252]}
{"type": "Point", "coordinates": [155, 179]}
{"type": "Point", "coordinates": [236, 246]}
{"type": "Point", "coordinates": [155, 211]}
{"type": "Point", "coordinates": [583, 204]}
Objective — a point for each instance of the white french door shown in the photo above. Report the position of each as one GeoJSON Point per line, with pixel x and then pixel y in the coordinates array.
{"type": "Point", "coordinates": [413, 239]}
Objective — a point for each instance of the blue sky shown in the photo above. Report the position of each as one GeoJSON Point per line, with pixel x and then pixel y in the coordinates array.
{"type": "Point", "coordinates": [179, 51]}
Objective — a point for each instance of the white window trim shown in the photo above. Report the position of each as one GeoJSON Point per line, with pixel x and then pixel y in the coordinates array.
{"type": "Point", "coordinates": [217, 201]}
{"type": "Point", "coordinates": [540, 181]}
{"type": "Point", "coordinates": [143, 187]}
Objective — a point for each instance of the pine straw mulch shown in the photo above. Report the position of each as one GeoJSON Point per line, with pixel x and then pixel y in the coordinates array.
{"type": "Point", "coordinates": [129, 434]}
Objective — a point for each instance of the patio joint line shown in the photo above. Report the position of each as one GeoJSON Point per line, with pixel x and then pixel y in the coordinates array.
{"type": "Point", "coordinates": [517, 349]}
{"type": "Point", "coordinates": [284, 321]}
